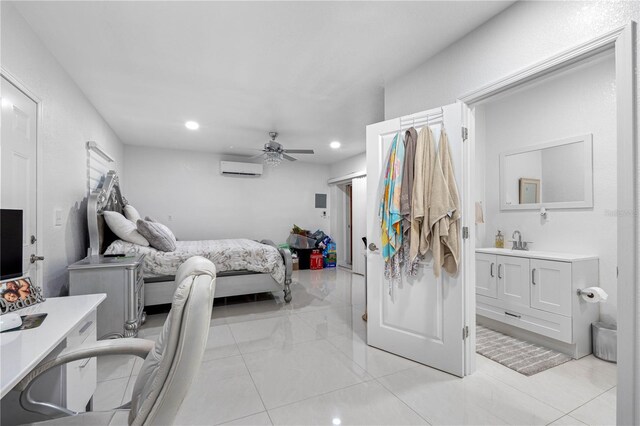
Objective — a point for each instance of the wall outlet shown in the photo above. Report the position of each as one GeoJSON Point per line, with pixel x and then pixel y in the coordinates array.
{"type": "Point", "coordinates": [57, 217]}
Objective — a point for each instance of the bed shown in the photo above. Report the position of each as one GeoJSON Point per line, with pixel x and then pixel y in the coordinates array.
{"type": "Point", "coordinates": [243, 266]}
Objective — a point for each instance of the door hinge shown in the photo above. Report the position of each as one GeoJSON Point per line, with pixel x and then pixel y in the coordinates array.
{"type": "Point", "coordinates": [465, 332]}
{"type": "Point", "coordinates": [465, 134]}
{"type": "Point", "coordinates": [465, 232]}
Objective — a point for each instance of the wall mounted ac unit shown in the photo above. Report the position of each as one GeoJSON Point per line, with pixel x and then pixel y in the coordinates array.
{"type": "Point", "coordinates": [232, 168]}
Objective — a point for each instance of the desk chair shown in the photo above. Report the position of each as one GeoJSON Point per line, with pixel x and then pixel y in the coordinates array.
{"type": "Point", "coordinates": [170, 363]}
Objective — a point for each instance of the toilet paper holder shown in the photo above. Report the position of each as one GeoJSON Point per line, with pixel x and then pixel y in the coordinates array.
{"type": "Point", "coordinates": [589, 294]}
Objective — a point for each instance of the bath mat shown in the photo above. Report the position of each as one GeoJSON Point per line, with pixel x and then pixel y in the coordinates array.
{"type": "Point", "coordinates": [519, 355]}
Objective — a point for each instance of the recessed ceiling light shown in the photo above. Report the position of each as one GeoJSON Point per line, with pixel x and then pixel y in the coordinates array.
{"type": "Point", "coordinates": [335, 144]}
{"type": "Point", "coordinates": [336, 421]}
{"type": "Point", "coordinates": [191, 125]}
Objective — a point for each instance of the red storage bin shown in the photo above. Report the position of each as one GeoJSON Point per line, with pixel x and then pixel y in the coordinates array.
{"type": "Point", "coordinates": [316, 260]}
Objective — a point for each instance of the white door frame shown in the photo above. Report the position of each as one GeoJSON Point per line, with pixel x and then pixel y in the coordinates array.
{"type": "Point", "coordinates": [622, 41]}
{"type": "Point", "coordinates": [11, 78]}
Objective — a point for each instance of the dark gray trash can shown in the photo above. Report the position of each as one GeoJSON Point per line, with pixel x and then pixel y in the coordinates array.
{"type": "Point", "coordinates": [605, 341]}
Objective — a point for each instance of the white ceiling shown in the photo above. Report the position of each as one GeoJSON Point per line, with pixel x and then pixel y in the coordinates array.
{"type": "Point", "coordinates": [313, 71]}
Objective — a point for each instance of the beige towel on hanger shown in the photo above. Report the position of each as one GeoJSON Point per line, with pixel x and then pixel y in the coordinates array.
{"type": "Point", "coordinates": [406, 191]}
{"type": "Point", "coordinates": [444, 212]}
{"type": "Point", "coordinates": [424, 159]}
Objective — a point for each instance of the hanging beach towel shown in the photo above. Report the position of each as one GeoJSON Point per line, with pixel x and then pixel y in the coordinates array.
{"type": "Point", "coordinates": [389, 211]}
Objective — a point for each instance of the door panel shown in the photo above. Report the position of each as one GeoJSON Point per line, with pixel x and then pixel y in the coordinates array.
{"type": "Point", "coordinates": [420, 317]}
{"type": "Point", "coordinates": [551, 286]}
{"type": "Point", "coordinates": [513, 279]}
{"type": "Point", "coordinates": [486, 278]}
{"type": "Point", "coordinates": [18, 175]}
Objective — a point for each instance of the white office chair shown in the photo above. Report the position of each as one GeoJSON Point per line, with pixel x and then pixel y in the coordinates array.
{"type": "Point", "coordinates": [170, 364]}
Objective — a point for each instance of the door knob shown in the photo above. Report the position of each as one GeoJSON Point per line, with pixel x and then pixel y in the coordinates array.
{"type": "Point", "coordinates": [373, 247]}
{"type": "Point", "coordinates": [35, 258]}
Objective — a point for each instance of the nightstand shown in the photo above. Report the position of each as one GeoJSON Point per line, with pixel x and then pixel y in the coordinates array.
{"type": "Point", "coordinates": [121, 279]}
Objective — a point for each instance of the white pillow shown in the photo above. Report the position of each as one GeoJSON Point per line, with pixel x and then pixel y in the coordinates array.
{"type": "Point", "coordinates": [131, 213]}
{"type": "Point", "coordinates": [124, 228]}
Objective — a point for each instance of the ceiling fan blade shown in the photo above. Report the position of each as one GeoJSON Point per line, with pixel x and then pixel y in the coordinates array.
{"type": "Point", "coordinates": [299, 151]}
{"type": "Point", "coordinates": [288, 157]}
{"type": "Point", "coordinates": [256, 156]}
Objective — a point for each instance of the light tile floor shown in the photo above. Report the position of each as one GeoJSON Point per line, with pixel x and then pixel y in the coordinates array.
{"type": "Point", "coordinates": [307, 362]}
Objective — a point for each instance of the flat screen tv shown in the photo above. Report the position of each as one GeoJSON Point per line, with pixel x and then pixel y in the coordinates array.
{"type": "Point", "coordinates": [10, 244]}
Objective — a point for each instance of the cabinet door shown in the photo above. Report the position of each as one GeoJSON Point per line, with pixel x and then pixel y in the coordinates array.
{"type": "Point", "coordinates": [513, 280]}
{"type": "Point", "coordinates": [551, 286]}
{"type": "Point", "coordinates": [486, 275]}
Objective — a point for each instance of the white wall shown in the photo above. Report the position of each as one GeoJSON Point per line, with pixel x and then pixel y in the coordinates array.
{"type": "Point", "coordinates": [203, 204]}
{"type": "Point", "coordinates": [357, 163]}
{"type": "Point", "coordinates": [68, 121]}
{"type": "Point", "coordinates": [577, 102]}
{"type": "Point", "coordinates": [525, 33]}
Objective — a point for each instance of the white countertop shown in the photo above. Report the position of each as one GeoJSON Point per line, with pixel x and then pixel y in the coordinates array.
{"type": "Point", "coordinates": [532, 254]}
{"type": "Point", "coordinates": [21, 351]}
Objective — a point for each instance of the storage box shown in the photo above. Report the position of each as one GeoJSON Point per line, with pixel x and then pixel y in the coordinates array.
{"type": "Point", "coordinates": [304, 258]}
{"type": "Point", "coordinates": [330, 256]}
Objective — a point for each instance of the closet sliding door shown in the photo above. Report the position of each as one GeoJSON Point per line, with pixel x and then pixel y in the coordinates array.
{"type": "Point", "coordinates": [359, 228]}
{"type": "Point", "coordinates": [418, 317]}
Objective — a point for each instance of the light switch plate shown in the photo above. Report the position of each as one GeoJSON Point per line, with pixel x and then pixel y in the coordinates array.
{"type": "Point", "coordinates": [57, 217]}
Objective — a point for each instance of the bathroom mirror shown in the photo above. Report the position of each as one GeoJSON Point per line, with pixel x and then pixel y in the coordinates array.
{"type": "Point", "coordinates": [557, 174]}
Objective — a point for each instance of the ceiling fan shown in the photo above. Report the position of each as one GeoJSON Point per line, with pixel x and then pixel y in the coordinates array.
{"type": "Point", "coordinates": [274, 152]}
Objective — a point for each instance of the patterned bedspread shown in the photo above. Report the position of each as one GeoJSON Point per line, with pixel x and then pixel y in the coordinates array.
{"type": "Point", "coordinates": [227, 255]}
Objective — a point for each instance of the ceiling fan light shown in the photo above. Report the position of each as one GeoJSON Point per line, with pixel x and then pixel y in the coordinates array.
{"type": "Point", "coordinates": [273, 158]}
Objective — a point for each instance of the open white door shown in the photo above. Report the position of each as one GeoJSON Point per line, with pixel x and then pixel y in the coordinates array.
{"type": "Point", "coordinates": [421, 318]}
{"type": "Point", "coordinates": [18, 183]}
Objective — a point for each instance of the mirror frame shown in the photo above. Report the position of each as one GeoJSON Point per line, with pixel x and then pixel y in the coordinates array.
{"type": "Point", "coordinates": [588, 175]}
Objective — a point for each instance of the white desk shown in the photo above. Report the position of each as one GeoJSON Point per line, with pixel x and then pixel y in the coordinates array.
{"type": "Point", "coordinates": [21, 351]}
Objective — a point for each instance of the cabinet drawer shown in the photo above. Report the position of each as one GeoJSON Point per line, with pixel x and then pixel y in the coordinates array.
{"type": "Point", "coordinates": [86, 328]}
{"type": "Point", "coordinates": [555, 326]}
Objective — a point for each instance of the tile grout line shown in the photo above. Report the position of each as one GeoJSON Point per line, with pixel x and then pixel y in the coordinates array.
{"type": "Point", "coordinates": [318, 395]}
{"type": "Point", "coordinates": [245, 417]}
{"type": "Point", "coordinates": [250, 376]}
{"type": "Point", "coordinates": [591, 400]}
{"type": "Point", "coordinates": [401, 400]}
{"type": "Point", "coordinates": [526, 393]}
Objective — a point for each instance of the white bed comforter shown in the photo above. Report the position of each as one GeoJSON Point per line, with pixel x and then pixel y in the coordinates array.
{"type": "Point", "coordinates": [227, 255]}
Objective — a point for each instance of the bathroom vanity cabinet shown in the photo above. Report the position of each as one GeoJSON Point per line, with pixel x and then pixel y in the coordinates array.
{"type": "Point", "coordinates": [538, 292]}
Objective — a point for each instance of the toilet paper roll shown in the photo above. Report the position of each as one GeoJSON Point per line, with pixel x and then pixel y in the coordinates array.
{"type": "Point", "coordinates": [594, 294]}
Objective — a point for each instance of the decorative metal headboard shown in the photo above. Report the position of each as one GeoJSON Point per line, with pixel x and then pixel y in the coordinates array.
{"type": "Point", "coordinates": [106, 197]}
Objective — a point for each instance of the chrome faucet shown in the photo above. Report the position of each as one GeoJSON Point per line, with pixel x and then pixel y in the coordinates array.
{"type": "Point", "coordinates": [518, 244]}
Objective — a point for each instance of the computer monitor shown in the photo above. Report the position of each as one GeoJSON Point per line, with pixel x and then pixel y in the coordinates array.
{"type": "Point", "coordinates": [10, 243]}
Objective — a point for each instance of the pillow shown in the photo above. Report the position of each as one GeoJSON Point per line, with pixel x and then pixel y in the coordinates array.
{"type": "Point", "coordinates": [131, 213]}
{"type": "Point", "coordinates": [124, 228]}
{"type": "Point", "coordinates": [160, 237]}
